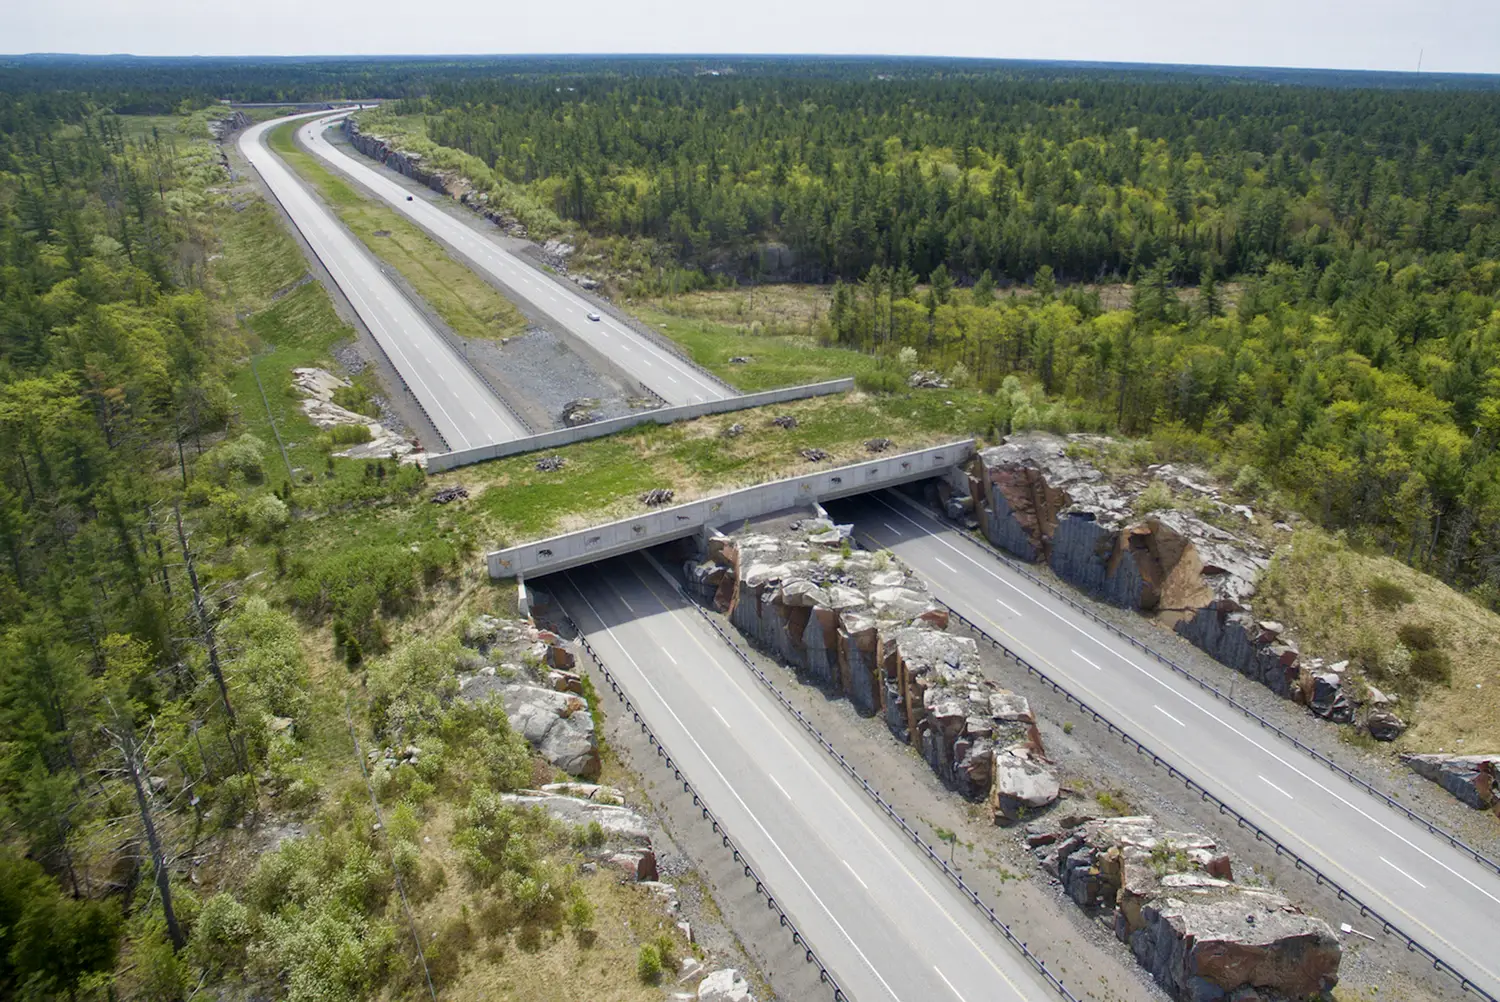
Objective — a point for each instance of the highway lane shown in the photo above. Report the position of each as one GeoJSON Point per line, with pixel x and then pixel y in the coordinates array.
{"type": "Point", "coordinates": [461, 407]}
{"type": "Point", "coordinates": [886, 924]}
{"type": "Point", "coordinates": [670, 377]}
{"type": "Point", "coordinates": [1440, 897]}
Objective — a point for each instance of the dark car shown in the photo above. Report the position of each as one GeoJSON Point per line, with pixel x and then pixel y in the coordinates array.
{"type": "Point", "coordinates": [408, 198]}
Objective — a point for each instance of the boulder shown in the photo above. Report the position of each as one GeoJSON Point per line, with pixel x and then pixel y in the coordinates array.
{"type": "Point", "coordinates": [1328, 699]}
{"type": "Point", "coordinates": [1384, 725]}
{"type": "Point", "coordinates": [637, 864]}
{"type": "Point", "coordinates": [1021, 784]}
{"type": "Point", "coordinates": [726, 985]}
{"type": "Point", "coordinates": [557, 724]}
{"type": "Point", "coordinates": [1208, 942]}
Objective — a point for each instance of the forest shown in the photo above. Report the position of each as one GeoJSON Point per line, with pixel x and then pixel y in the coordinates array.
{"type": "Point", "coordinates": [1311, 269]}
{"type": "Point", "coordinates": [1356, 367]}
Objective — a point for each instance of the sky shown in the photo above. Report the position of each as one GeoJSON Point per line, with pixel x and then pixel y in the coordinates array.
{"type": "Point", "coordinates": [1461, 36]}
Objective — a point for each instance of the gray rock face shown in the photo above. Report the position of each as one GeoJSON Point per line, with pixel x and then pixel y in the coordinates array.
{"type": "Point", "coordinates": [623, 828]}
{"type": "Point", "coordinates": [1470, 778]}
{"type": "Point", "coordinates": [1175, 903]}
{"type": "Point", "coordinates": [557, 724]}
{"type": "Point", "coordinates": [860, 625]}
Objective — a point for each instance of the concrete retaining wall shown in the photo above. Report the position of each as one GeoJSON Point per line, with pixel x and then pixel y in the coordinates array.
{"type": "Point", "coordinates": [588, 545]}
{"type": "Point", "coordinates": [663, 415]}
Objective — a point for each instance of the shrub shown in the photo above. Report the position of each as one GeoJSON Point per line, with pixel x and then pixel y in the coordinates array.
{"type": "Point", "coordinates": [580, 911]}
{"type": "Point", "coordinates": [648, 964]}
{"type": "Point", "coordinates": [1432, 665]}
{"type": "Point", "coordinates": [268, 658]}
{"type": "Point", "coordinates": [1155, 497]}
{"type": "Point", "coordinates": [347, 434]}
{"type": "Point", "coordinates": [409, 687]}
{"type": "Point", "coordinates": [220, 934]}
{"type": "Point", "coordinates": [266, 515]}
{"type": "Point", "coordinates": [880, 381]}
{"type": "Point", "coordinates": [1388, 595]}
{"type": "Point", "coordinates": [1418, 636]}
{"type": "Point", "coordinates": [240, 456]}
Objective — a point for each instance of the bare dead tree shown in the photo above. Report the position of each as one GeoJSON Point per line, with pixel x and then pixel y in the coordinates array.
{"type": "Point", "coordinates": [210, 643]}
{"type": "Point", "coordinates": [122, 735]}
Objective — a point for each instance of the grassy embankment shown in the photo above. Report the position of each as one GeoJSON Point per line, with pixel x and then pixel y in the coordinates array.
{"type": "Point", "coordinates": [357, 531]}
{"type": "Point", "coordinates": [467, 304]}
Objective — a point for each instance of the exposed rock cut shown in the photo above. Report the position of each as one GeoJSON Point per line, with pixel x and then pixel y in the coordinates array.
{"type": "Point", "coordinates": [860, 625]}
{"type": "Point", "coordinates": [1474, 779]}
{"type": "Point", "coordinates": [317, 387]}
{"type": "Point", "coordinates": [1175, 903]}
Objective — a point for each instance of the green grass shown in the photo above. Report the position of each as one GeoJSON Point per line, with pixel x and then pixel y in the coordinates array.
{"type": "Point", "coordinates": [776, 360]}
{"type": "Point", "coordinates": [467, 304]}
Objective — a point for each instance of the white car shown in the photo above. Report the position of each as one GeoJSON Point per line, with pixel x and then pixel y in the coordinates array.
{"type": "Point", "coordinates": [594, 316]}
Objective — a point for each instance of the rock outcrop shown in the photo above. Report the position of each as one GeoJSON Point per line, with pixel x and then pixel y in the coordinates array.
{"type": "Point", "coordinates": [1474, 779]}
{"type": "Point", "coordinates": [1175, 903]}
{"type": "Point", "coordinates": [409, 164]}
{"type": "Point", "coordinates": [615, 836]}
{"type": "Point", "coordinates": [726, 985]}
{"type": "Point", "coordinates": [860, 625]}
{"type": "Point", "coordinates": [543, 696]}
{"type": "Point", "coordinates": [317, 387]}
{"type": "Point", "coordinates": [1034, 497]}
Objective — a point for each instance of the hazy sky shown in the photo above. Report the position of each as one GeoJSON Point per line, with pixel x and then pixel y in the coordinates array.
{"type": "Point", "coordinates": [1457, 35]}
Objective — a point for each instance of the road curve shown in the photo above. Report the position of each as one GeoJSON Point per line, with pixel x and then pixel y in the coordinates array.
{"type": "Point", "coordinates": [460, 406]}
{"type": "Point", "coordinates": [884, 922]}
{"type": "Point", "coordinates": [1439, 896]}
{"type": "Point", "coordinates": [668, 376]}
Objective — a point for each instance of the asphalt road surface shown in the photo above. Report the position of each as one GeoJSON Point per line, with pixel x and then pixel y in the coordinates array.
{"type": "Point", "coordinates": [460, 406]}
{"type": "Point", "coordinates": [668, 376]}
{"type": "Point", "coordinates": [1440, 897]}
{"type": "Point", "coordinates": [881, 918]}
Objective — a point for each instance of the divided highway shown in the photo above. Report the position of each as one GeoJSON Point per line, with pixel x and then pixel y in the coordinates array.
{"type": "Point", "coordinates": [460, 406]}
{"type": "Point", "coordinates": [886, 924]}
{"type": "Point", "coordinates": [668, 376]}
{"type": "Point", "coordinates": [1443, 899]}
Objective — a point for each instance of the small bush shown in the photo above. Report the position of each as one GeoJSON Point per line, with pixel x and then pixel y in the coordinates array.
{"type": "Point", "coordinates": [880, 381]}
{"type": "Point", "coordinates": [1432, 665]}
{"type": "Point", "coordinates": [1419, 636]}
{"type": "Point", "coordinates": [1388, 595]}
{"type": "Point", "coordinates": [648, 964]}
{"type": "Point", "coordinates": [1154, 498]}
{"type": "Point", "coordinates": [357, 399]}
{"type": "Point", "coordinates": [348, 434]}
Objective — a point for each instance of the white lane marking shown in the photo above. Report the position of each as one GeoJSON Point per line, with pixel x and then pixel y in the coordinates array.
{"type": "Point", "coordinates": [458, 234]}
{"type": "Point", "coordinates": [1008, 606]}
{"type": "Point", "coordinates": [1403, 873]}
{"type": "Point", "coordinates": [781, 788]}
{"type": "Point", "coordinates": [1225, 723]}
{"type": "Point", "coordinates": [1168, 715]}
{"type": "Point", "coordinates": [947, 982]}
{"type": "Point", "coordinates": [669, 655]}
{"type": "Point", "coordinates": [624, 603]}
{"type": "Point", "coordinates": [1085, 660]}
{"type": "Point", "coordinates": [671, 379]}
{"type": "Point", "coordinates": [945, 564]}
{"type": "Point", "coordinates": [813, 770]}
{"type": "Point", "coordinates": [662, 702]}
{"type": "Point", "coordinates": [891, 527]}
{"type": "Point", "coordinates": [856, 875]}
{"type": "Point", "coordinates": [1274, 787]}
{"type": "Point", "coordinates": [720, 716]}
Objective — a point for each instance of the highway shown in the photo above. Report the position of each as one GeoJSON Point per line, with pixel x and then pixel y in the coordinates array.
{"type": "Point", "coordinates": [881, 918]}
{"type": "Point", "coordinates": [460, 406]}
{"type": "Point", "coordinates": [666, 374]}
{"type": "Point", "coordinates": [1445, 900]}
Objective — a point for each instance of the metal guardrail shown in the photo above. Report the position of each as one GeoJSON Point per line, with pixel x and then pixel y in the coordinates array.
{"type": "Point", "coordinates": [933, 855]}
{"type": "Point", "coordinates": [1261, 835]}
{"type": "Point", "coordinates": [1202, 683]}
{"type": "Point", "coordinates": [824, 974]}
